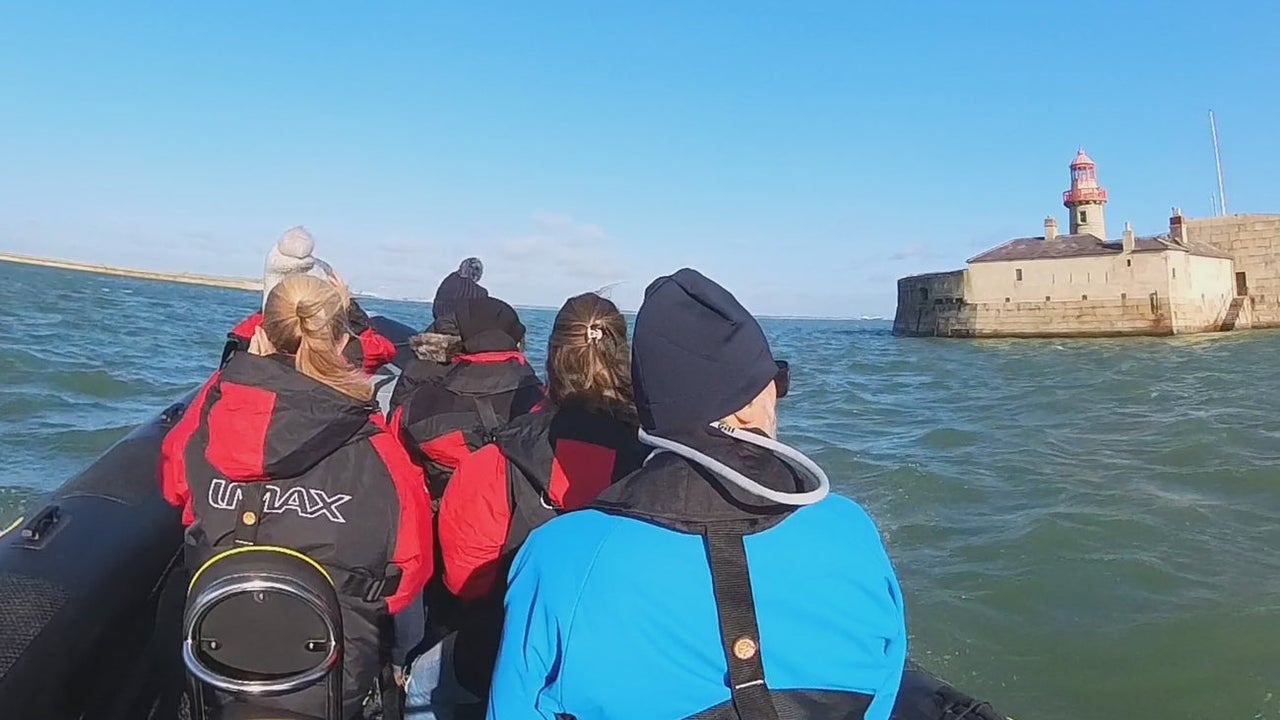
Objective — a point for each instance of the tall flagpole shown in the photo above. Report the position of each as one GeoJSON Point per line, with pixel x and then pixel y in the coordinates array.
{"type": "Point", "coordinates": [1217, 157]}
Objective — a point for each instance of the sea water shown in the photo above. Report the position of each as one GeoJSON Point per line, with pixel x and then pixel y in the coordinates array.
{"type": "Point", "coordinates": [1083, 529]}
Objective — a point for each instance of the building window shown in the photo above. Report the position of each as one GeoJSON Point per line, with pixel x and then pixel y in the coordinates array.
{"type": "Point", "coordinates": [924, 293]}
{"type": "Point", "coordinates": [1175, 273]}
{"type": "Point", "coordinates": [1017, 274]}
{"type": "Point", "coordinates": [1046, 298]}
{"type": "Point", "coordinates": [1084, 297]}
{"type": "Point", "coordinates": [1124, 296]}
{"type": "Point", "coordinates": [1129, 262]}
{"type": "Point", "coordinates": [1084, 217]}
{"type": "Point", "coordinates": [1006, 299]}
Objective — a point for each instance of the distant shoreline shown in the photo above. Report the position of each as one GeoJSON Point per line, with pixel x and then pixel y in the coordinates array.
{"type": "Point", "coordinates": [99, 269]}
{"type": "Point", "coordinates": [253, 285]}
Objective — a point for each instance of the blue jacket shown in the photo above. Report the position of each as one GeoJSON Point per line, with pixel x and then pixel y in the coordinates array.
{"type": "Point", "coordinates": [611, 616]}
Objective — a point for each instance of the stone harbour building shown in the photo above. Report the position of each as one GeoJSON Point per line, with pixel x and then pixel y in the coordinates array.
{"type": "Point", "coordinates": [1203, 275]}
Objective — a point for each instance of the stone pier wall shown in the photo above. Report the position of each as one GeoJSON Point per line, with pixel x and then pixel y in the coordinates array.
{"type": "Point", "coordinates": [929, 304]}
{"type": "Point", "coordinates": [1253, 241]}
{"type": "Point", "coordinates": [1150, 315]}
{"type": "Point", "coordinates": [1073, 318]}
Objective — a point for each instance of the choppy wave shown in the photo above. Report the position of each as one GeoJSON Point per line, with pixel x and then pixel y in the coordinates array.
{"type": "Point", "coordinates": [1082, 528]}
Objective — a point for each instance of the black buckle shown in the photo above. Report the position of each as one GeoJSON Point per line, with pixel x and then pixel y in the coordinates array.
{"type": "Point", "coordinates": [172, 414]}
{"type": "Point", "coordinates": [964, 707]}
{"type": "Point", "coordinates": [373, 590]}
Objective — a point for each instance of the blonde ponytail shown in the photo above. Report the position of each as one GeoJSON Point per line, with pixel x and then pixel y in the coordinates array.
{"type": "Point", "coordinates": [307, 318]}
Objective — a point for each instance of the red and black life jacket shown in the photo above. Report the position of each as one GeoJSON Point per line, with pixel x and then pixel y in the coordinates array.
{"type": "Point", "coordinates": [334, 483]}
{"type": "Point", "coordinates": [557, 461]}
{"type": "Point", "coordinates": [447, 418]}
{"type": "Point", "coordinates": [545, 450]}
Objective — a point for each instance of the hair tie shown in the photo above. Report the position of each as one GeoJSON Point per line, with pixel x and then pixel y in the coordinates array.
{"type": "Point", "coordinates": [594, 333]}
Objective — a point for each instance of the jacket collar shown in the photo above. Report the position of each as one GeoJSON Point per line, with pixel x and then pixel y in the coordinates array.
{"type": "Point", "coordinates": [676, 493]}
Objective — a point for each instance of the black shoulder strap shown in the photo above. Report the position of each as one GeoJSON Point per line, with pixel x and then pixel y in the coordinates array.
{"type": "Point", "coordinates": [249, 513]}
{"type": "Point", "coordinates": [379, 384]}
{"type": "Point", "coordinates": [393, 696]}
{"type": "Point", "coordinates": [488, 417]}
{"type": "Point", "coordinates": [230, 348]}
{"type": "Point", "coordinates": [739, 631]}
{"type": "Point", "coordinates": [531, 507]}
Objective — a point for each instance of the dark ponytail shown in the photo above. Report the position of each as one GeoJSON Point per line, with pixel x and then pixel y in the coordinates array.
{"type": "Point", "coordinates": [589, 360]}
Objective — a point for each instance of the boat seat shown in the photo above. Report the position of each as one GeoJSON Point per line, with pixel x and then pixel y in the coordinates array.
{"type": "Point", "coordinates": [262, 632]}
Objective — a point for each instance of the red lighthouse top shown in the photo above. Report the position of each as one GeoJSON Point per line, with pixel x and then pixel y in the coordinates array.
{"type": "Point", "coordinates": [1082, 160]}
{"type": "Point", "coordinates": [1084, 182]}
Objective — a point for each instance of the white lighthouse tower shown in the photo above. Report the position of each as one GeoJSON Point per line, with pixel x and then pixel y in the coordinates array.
{"type": "Point", "coordinates": [1086, 198]}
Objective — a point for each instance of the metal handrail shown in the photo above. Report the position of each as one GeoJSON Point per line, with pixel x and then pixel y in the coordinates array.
{"type": "Point", "coordinates": [1084, 194]}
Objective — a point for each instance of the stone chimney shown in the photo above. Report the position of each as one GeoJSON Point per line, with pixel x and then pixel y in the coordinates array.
{"type": "Point", "coordinates": [1050, 228]}
{"type": "Point", "coordinates": [1177, 229]}
{"type": "Point", "coordinates": [1128, 243]}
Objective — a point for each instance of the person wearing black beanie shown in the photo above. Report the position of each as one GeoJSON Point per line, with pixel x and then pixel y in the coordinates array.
{"type": "Point", "coordinates": [461, 284]}
{"type": "Point", "coordinates": [488, 381]}
{"type": "Point", "coordinates": [488, 324]}
{"type": "Point", "coordinates": [723, 555]}
{"type": "Point", "coordinates": [441, 416]}
{"type": "Point", "coordinates": [698, 355]}
{"type": "Point", "coordinates": [435, 347]}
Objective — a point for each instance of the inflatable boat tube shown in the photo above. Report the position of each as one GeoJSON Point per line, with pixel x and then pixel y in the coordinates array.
{"type": "Point", "coordinates": [89, 623]}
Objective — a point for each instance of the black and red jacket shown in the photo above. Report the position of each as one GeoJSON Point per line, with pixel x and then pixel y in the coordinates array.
{"type": "Point", "coordinates": [338, 487]}
{"type": "Point", "coordinates": [446, 418]}
{"type": "Point", "coordinates": [433, 351]}
{"type": "Point", "coordinates": [537, 467]}
{"type": "Point", "coordinates": [370, 353]}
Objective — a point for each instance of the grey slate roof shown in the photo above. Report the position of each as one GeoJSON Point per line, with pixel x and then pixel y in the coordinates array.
{"type": "Point", "coordinates": [1067, 246]}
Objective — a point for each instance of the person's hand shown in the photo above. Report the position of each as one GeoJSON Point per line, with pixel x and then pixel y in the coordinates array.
{"type": "Point", "coordinates": [259, 344]}
{"type": "Point", "coordinates": [401, 677]}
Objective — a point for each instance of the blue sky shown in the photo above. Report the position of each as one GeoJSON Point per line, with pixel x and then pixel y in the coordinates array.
{"type": "Point", "coordinates": [805, 154]}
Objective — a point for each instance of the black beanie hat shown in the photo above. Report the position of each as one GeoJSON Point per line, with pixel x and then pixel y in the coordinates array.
{"type": "Point", "coordinates": [697, 355]}
{"type": "Point", "coordinates": [457, 287]}
{"type": "Point", "coordinates": [487, 324]}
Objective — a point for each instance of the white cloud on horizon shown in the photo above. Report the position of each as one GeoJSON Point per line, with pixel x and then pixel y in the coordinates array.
{"type": "Point", "coordinates": [553, 257]}
{"type": "Point", "coordinates": [540, 261]}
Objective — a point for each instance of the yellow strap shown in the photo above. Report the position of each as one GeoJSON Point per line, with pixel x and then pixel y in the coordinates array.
{"type": "Point", "coordinates": [252, 548]}
{"type": "Point", "coordinates": [12, 525]}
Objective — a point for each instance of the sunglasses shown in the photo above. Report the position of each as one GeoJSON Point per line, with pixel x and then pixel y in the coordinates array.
{"type": "Point", "coordinates": [782, 380]}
